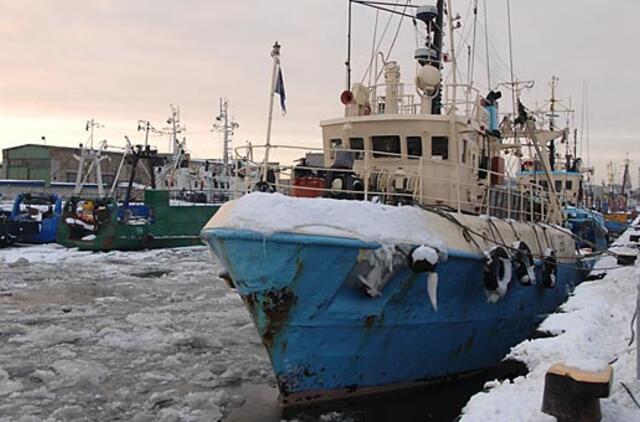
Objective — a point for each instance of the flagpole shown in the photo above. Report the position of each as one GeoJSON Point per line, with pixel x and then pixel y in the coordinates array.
{"type": "Point", "coordinates": [275, 53]}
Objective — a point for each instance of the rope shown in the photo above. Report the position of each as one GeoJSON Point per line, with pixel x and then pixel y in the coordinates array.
{"type": "Point", "coordinates": [486, 238]}
{"type": "Point", "coordinates": [515, 233]}
{"type": "Point", "coordinates": [630, 394]}
{"type": "Point", "coordinates": [492, 223]}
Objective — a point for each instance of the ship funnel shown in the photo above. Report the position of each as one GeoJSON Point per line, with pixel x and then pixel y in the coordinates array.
{"type": "Point", "coordinates": [392, 83]}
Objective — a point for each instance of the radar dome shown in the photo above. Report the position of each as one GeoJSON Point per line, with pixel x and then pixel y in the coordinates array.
{"type": "Point", "coordinates": [428, 79]}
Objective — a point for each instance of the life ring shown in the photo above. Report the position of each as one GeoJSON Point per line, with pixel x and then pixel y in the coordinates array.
{"type": "Point", "coordinates": [525, 265]}
{"type": "Point", "coordinates": [147, 241]}
{"type": "Point", "coordinates": [497, 272]}
{"type": "Point", "coordinates": [549, 268]}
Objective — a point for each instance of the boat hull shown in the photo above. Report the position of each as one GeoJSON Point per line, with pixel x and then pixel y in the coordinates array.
{"type": "Point", "coordinates": [164, 226]}
{"type": "Point", "coordinates": [326, 338]}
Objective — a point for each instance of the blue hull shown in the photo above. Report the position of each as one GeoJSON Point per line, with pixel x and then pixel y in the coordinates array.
{"type": "Point", "coordinates": [47, 233]}
{"type": "Point", "coordinates": [590, 234]}
{"type": "Point", "coordinates": [589, 227]}
{"type": "Point", "coordinates": [47, 227]}
{"type": "Point", "coordinates": [615, 227]}
{"type": "Point", "coordinates": [325, 337]}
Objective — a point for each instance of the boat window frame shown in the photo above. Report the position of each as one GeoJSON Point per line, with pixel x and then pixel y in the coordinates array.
{"type": "Point", "coordinates": [333, 145]}
{"type": "Point", "coordinates": [465, 146]}
{"type": "Point", "coordinates": [357, 154]}
{"type": "Point", "coordinates": [418, 138]}
{"type": "Point", "coordinates": [443, 147]}
{"type": "Point", "coordinates": [386, 154]}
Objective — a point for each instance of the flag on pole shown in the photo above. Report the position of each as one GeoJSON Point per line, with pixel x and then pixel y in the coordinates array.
{"type": "Point", "coordinates": [279, 89]}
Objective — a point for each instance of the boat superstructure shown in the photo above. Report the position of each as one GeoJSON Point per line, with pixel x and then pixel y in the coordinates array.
{"type": "Point", "coordinates": [401, 252]}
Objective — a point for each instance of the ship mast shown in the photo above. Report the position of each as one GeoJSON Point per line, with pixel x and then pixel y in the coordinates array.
{"type": "Point", "coordinates": [227, 127]}
{"type": "Point", "coordinates": [94, 157]}
{"type": "Point", "coordinates": [552, 109]}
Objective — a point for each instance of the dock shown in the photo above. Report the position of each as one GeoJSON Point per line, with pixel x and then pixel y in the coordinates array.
{"type": "Point", "coordinates": [593, 327]}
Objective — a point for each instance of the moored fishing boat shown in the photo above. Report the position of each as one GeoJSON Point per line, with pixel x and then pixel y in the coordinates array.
{"type": "Point", "coordinates": [422, 260]}
{"type": "Point", "coordinates": [170, 212]}
{"type": "Point", "coordinates": [39, 210]}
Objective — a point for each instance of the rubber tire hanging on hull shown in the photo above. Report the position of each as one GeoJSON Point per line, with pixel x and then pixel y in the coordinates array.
{"type": "Point", "coordinates": [549, 269]}
{"type": "Point", "coordinates": [495, 268]}
{"type": "Point", "coordinates": [525, 265]}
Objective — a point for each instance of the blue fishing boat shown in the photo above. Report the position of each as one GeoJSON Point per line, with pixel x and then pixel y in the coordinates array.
{"type": "Point", "coordinates": [589, 228]}
{"type": "Point", "coordinates": [410, 256]}
{"type": "Point", "coordinates": [588, 225]}
{"type": "Point", "coordinates": [42, 211]}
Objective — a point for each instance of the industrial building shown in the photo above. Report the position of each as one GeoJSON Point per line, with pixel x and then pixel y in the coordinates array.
{"type": "Point", "coordinates": [57, 164]}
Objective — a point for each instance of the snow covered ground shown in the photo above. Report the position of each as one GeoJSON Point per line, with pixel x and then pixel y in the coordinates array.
{"type": "Point", "coordinates": [592, 328]}
{"type": "Point", "coordinates": [138, 336]}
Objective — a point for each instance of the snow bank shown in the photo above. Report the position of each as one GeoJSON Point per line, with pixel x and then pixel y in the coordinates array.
{"type": "Point", "coordinates": [593, 330]}
{"type": "Point", "coordinates": [364, 220]}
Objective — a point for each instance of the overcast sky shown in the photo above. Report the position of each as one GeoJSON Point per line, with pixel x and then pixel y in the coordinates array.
{"type": "Point", "coordinates": [65, 61]}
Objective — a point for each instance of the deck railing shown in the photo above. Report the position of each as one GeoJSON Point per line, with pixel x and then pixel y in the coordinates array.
{"type": "Point", "coordinates": [495, 194]}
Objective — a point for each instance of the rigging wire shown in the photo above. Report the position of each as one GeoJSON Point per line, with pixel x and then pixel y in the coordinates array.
{"type": "Point", "coordinates": [376, 5]}
{"type": "Point", "coordinates": [373, 48]}
{"type": "Point", "coordinates": [473, 44]}
{"type": "Point", "coordinates": [587, 127]}
{"type": "Point", "coordinates": [582, 121]}
{"type": "Point", "coordinates": [395, 37]}
{"type": "Point", "coordinates": [513, 86]}
{"type": "Point", "coordinates": [377, 48]}
{"type": "Point", "coordinates": [486, 43]}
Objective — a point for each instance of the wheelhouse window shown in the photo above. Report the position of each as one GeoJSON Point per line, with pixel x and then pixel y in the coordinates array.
{"type": "Point", "coordinates": [414, 147]}
{"type": "Point", "coordinates": [464, 151]}
{"type": "Point", "coordinates": [386, 146]}
{"type": "Point", "coordinates": [334, 143]}
{"type": "Point", "coordinates": [558, 185]}
{"type": "Point", "coordinates": [440, 147]}
{"type": "Point", "coordinates": [357, 144]}
{"type": "Point", "coordinates": [569, 185]}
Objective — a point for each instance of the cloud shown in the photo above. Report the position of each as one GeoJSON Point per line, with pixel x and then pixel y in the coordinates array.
{"type": "Point", "coordinates": [65, 61]}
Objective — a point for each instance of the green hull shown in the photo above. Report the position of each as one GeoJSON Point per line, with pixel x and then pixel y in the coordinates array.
{"type": "Point", "coordinates": [172, 226]}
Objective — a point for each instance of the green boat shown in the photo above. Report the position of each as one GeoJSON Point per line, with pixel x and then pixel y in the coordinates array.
{"type": "Point", "coordinates": [180, 199]}
{"type": "Point", "coordinates": [103, 225]}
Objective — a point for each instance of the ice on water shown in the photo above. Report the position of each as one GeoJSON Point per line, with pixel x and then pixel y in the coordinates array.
{"type": "Point", "coordinates": [123, 335]}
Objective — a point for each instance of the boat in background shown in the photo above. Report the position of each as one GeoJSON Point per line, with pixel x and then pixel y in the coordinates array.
{"type": "Point", "coordinates": [40, 210]}
{"type": "Point", "coordinates": [409, 256]}
{"type": "Point", "coordinates": [617, 213]}
{"type": "Point", "coordinates": [170, 212]}
{"type": "Point", "coordinates": [568, 176]}
{"type": "Point", "coordinates": [589, 227]}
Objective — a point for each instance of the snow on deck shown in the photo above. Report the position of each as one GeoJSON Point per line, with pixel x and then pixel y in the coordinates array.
{"type": "Point", "coordinates": [594, 328]}
{"type": "Point", "coordinates": [364, 220]}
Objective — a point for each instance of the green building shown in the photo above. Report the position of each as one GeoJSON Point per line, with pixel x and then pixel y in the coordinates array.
{"type": "Point", "coordinates": [56, 164]}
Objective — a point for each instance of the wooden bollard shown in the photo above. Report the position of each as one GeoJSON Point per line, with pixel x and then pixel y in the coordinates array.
{"type": "Point", "coordinates": [573, 394]}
